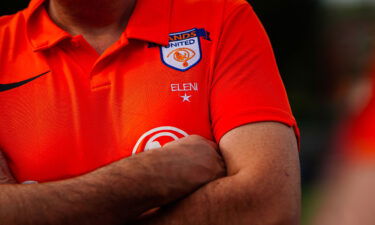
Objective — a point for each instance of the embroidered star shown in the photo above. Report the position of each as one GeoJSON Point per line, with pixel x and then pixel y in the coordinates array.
{"type": "Point", "coordinates": [185, 98]}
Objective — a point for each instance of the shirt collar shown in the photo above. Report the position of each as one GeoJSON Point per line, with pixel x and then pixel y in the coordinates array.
{"type": "Point", "coordinates": [150, 21]}
{"type": "Point", "coordinates": [41, 31]}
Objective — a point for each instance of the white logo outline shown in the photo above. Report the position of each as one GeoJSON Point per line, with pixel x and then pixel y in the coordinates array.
{"type": "Point", "coordinates": [165, 133]}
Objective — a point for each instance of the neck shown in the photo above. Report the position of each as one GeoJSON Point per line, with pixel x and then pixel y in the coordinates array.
{"type": "Point", "coordinates": [99, 21]}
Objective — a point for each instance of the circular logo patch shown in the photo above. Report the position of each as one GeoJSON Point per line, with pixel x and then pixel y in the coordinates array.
{"type": "Point", "coordinates": [157, 137]}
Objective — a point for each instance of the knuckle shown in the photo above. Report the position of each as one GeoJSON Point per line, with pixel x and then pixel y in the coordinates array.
{"type": "Point", "coordinates": [196, 138]}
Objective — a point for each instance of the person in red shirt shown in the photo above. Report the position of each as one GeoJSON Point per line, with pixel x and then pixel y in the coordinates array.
{"type": "Point", "coordinates": [84, 88]}
{"type": "Point", "coordinates": [347, 190]}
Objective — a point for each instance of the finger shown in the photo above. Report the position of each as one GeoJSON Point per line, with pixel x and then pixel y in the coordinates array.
{"type": "Point", "coordinates": [213, 144]}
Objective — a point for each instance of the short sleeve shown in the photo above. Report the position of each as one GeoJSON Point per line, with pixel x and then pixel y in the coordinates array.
{"type": "Point", "coordinates": [246, 84]}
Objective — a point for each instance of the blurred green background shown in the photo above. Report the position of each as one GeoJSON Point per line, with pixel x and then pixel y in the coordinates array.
{"type": "Point", "coordinates": [324, 49]}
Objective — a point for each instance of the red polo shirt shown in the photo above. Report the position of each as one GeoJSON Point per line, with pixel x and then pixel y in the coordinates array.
{"type": "Point", "coordinates": [180, 67]}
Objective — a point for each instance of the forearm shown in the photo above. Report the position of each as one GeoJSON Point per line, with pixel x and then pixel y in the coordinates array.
{"type": "Point", "coordinates": [209, 205]}
{"type": "Point", "coordinates": [230, 201]}
{"type": "Point", "coordinates": [262, 186]}
{"type": "Point", "coordinates": [110, 195]}
{"type": "Point", "coordinates": [117, 193]}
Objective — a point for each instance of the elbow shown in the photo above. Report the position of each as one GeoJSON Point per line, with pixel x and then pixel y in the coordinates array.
{"type": "Point", "coordinates": [276, 217]}
{"type": "Point", "coordinates": [270, 204]}
{"type": "Point", "coordinates": [291, 218]}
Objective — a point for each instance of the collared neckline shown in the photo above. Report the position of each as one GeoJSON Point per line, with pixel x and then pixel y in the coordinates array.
{"type": "Point", "coordinates": [41, 31]}
{"type": "Point", "coordinates": [150, 22]}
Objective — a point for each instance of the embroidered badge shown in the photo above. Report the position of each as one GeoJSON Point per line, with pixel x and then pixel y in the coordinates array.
{"type": "Point", "coordinates": [184, 49]}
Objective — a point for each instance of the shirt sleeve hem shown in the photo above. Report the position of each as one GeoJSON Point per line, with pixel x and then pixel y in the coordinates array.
{"type": "Point", "coordinates": [254, 116]}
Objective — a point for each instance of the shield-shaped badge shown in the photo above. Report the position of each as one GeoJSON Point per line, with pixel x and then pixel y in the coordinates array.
{"type": "Point", "coordinates": [184, 49]}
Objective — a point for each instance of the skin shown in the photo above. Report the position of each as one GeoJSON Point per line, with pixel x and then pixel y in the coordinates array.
{"type": "Point", "coordinates": [117, 193]}
{"type": "Point", "coordinates": [262, 185]}
{"type": "Point", "coordinates": [101, 24]}
{"type": "Point", "coordinates": [348, 195]}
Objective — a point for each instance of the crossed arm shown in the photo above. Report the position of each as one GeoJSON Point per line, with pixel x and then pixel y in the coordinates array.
{"type": "Point", "coordinates": [262, 185]}
{"type": "Point", "coordinates": [114, 194]}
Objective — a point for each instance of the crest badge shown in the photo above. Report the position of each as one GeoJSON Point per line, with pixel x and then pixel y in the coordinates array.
{"type": "Point", "coordinates": [184, 49]}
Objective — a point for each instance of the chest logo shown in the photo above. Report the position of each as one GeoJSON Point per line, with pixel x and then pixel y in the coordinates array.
{"type": "Point", "coordinates": [157, 137]}
{"type": "Point", "coordinates": [184, 49]}
{"type": "Point", "coordinates": [6, 87]}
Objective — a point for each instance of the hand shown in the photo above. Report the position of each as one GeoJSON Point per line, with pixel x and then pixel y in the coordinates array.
{"type": "Point", "coordinates": [183, 166]}
{"type": "Point", "coordinates": [201, 160]}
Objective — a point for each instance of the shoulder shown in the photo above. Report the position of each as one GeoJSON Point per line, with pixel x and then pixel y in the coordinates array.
{"type": "Point", "coordinates": [12, 31]}
{"type": "Point", "coordinates": [10, 23]}
{"type": "Point", "coordinates": [209, 13]}
{"type": "Point", "coordinates": [213, 2]}
{"type": "Point", "coordinates": [15, 46]}
{"type": "Point", "coordinates": [212, 5]}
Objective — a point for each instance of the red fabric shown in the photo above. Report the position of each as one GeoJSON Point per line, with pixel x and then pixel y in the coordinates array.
{"type": "Point", "coordinates": [88, 110]}
{"type": "Point", "coordinates": [360, 137]}
{"type": "Point", "coordinates": [246, 83]}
